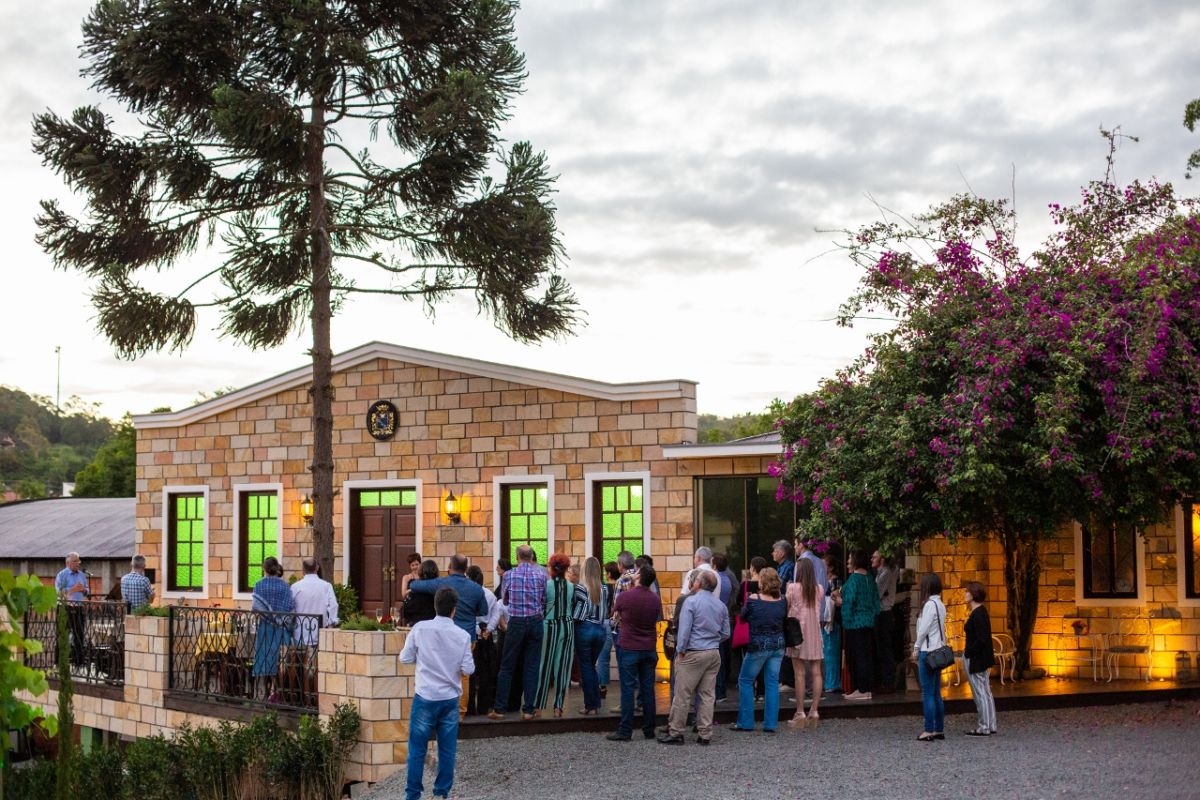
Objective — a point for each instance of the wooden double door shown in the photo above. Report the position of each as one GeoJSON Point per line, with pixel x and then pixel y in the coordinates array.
{"type": "Point", "coordinates": [381, 541]}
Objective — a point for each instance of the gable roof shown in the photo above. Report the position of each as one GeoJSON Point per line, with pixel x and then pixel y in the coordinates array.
{"type": "Point", "coordinates": [94, 527]}
{"type": "Point", "coordinates": [650, 390]}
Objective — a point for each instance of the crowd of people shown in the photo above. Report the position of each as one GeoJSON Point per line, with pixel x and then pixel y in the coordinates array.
{"type": "Point", "coordinates": [793, 619]}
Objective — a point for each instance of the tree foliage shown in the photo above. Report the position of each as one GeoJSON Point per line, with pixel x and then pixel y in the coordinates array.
{"type": "Point", "coordinates": [19, 594]}
{"type": "Point", "coordinates": [252, 150]}
{"type": "Point", "coordinates": [713, 428]}
{"type": "Point", "coordinates": [1014, 394]}
{"type": "Point", "coordinates": [40, 446]}
{"type": "Point", "coordinates": [1191, 116]}
{"type": "Point", "coordinates": [112, 473]}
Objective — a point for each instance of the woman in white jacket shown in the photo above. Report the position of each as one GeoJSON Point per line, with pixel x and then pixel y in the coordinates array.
{"type": "Point", "coordinates": [931, 634]}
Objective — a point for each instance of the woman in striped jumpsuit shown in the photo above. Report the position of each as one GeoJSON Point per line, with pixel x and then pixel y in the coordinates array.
{"type": "Point", "coordinates": [558, 640]}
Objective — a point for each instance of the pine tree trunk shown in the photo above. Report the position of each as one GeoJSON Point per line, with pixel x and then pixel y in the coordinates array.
{"type": "Point", "coordinates": [1022, 573]}
{"type": "Point", "coordinates": [321, 390]}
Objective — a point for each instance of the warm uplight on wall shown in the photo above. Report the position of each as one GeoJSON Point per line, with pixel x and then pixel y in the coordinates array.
{"type": "Point", "coordinates": [306, 510]}
{"type": "Point", "coordinates": [451, 506]}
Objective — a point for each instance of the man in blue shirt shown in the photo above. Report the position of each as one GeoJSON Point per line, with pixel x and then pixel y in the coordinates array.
{"type": "Point", "coordinates": [72, 582]}
{"type": "Point", "coordinates": [703, 625]}
{"type": "Point", "coordinates": [471, 604]}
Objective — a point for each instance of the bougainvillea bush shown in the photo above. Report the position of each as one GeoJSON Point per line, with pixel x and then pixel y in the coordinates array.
{"type": "Point", "coordinates": [1015, 393]}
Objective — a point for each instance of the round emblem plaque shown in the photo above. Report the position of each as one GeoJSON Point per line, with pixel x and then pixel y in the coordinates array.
{"type": "Point", "coordinates": [381, 420]}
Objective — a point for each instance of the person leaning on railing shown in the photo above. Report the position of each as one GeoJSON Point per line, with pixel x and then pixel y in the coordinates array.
{"type": "Point", "coordinates": [313, 595]}
{"type": "Point", "coordinates": [136, 590]}
{"type": "Point", "coordinates": [72, 583]}
{"type": "Point", "coordinates": [271, 594]}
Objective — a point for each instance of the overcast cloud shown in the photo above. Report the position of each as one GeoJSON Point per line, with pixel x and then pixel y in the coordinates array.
{"type": "Point", "coordinates": [704, 150]}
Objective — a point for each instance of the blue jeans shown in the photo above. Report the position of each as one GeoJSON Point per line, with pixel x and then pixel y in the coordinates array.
{"type": "Point", "coordinates": [931, 696]}
{"type": "Point", "coordinates": [589, 639]}
{"type": "Point", "coordinates": [604, 660]}
{"type": "Point", "coordinates": [432, 718]}
{"type": "Point", "coordinates": [766, 661]}
{"type": "Point", "coordinates": [637, 675]}
{"type": "Point", "coordinates": [523, 634]}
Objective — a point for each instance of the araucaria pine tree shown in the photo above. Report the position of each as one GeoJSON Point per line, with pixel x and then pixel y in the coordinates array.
{"type": "Point", "coordinates": [247, 184]}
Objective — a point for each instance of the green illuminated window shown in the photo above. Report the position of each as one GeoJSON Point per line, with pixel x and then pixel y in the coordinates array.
{"type": "Point", "coordinates": [185, 542]}
{"type": "Point", "coordinates": [388, 498]}
{"type": "Point", "coordinates": [259, 535]}
{"type": "Point", "coordinates": [618, 523]}
{"type": "Point", "coordinates": [525, 515]}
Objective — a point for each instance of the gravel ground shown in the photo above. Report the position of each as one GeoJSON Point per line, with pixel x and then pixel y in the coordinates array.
{"type": "Point", "coordinates": [1143, 751]}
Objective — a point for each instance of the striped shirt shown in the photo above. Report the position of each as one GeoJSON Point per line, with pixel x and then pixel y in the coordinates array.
{"type": "Point", "coordinates": [524, 591]}
{"type": "Point", "coordinates": [584, 610]}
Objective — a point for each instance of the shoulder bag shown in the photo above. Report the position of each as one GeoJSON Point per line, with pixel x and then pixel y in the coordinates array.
{"type": "Point", "coordinates": [943, 656]}
{"type": "Point", "coordinates": [741, 628]}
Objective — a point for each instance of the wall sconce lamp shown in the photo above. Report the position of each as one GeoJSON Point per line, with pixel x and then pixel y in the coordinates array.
{"type": "Point", "coordinates": [306, 510]}
{"type": "Point", "coordinates": [450, 506]}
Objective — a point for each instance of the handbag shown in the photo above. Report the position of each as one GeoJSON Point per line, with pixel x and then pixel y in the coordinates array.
{"type": "Point", "coordinates": [793, 636]}
{"type": "Point", "coordinates": [741, 628]}
{"type": "Point", "coordinates": [941, 657]}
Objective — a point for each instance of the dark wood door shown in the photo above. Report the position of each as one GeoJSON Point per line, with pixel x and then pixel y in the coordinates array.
{"type": "Point", "coordinates": [381, 539]}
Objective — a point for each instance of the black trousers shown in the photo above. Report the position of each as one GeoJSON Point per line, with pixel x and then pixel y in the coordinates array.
{"type": "Point", "coordinates": [481, 696]}
{"type": "Point", "coordinates": [860, 652]}
{"type": "Point", "coordinates": [885, 660]}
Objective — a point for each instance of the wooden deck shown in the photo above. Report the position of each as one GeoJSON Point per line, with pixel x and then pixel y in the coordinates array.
{"type": "Point", "coordinates": [1044, 693]}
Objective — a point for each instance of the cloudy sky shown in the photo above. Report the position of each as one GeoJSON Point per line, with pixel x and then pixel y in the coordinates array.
{"type": "Point", "coordinates": [705, 150]}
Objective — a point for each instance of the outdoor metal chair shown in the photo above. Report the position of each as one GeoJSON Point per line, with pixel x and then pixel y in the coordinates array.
{"type": "Point", "coordinates": [1132, 639]}
{"type": "Point", "coordinates": [1081, 648]}
{"type": "Point", "coordinates": [1006, 655]}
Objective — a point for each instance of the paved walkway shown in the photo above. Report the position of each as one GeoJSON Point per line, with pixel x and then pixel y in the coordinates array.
{"type": "Point", "coordinates": [1145, 751]}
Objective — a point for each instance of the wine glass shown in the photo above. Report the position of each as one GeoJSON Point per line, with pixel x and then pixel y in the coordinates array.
{"type": "Point", "coordinates": [395, 615]}
{"type": "Point", "coordinates": [379, 614]}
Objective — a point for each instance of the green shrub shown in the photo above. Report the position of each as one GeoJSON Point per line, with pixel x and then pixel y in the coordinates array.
{"type": "Point", "coordinates": [100, 767]}
{"type": "Point", "coordinates": [323, 750]}
{"type": "Point", "coordinates": [154, 771]}
{"type": "Point", "coordinates": [213, 759]}
{"type": "Point", "coordinates": [32, 781]}
{"type": "Point", "coordinates": [152, 611]}
{"type": "Point", "coordinates": [347, 599]}
{"type": "Point", "coordinates": [358, 622]}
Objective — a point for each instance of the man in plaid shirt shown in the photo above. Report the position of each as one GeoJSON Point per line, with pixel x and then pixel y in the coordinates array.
{"type": "Point", "coordinates": [523, 591]}
{"type": "Point", "coordinates": [136, 590]}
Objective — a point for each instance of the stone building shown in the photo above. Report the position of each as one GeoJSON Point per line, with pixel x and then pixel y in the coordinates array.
{"type": "Point", "coordinates": [557, 462]}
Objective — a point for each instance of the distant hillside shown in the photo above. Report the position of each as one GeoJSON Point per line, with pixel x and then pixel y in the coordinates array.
{"type": "Point", "coordinates": [41, 449]}
{"type": "Point", "coordinates": [711, 428]}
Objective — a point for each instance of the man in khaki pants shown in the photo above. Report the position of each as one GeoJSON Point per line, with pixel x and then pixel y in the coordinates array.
{"type": "Point", "coordinates": [703, 625]}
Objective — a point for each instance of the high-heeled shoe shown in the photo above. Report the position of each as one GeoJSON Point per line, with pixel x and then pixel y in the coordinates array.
{"type": "Point", "coordinates": [798, 722]}
{"type": "Point", "coordinates": [813, 721]}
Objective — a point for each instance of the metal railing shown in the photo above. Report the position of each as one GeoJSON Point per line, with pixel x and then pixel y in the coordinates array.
{"type": "Point", "coordinates": [96, 632]}
{"type": "Point", "coordinates": [258, 657]}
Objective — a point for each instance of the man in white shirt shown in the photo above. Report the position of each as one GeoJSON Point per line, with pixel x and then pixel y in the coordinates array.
{"type": "Point", "coordinates": [702, 561]}
{"type": "Point", "coordinates": [313, 595]}
{"type": "Point", "coordinates": [442, 652]}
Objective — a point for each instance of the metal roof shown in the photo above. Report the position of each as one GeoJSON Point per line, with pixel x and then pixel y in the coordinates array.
{"type": "Point", "coordinates": [763, 444]}
{"type": "Point", "coordinates": [94, 527]}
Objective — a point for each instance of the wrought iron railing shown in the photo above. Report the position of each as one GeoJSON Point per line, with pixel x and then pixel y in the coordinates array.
{"type": "Point", "coordinates": [258, 657]}
{"type": "Point", "coordinates": [96, 636]}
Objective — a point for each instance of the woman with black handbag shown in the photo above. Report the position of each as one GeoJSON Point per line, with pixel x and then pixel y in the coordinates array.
{"type": "Point", "coordinates": [805, 647]}
{"type": "Point", "coordinates": [930, 651]}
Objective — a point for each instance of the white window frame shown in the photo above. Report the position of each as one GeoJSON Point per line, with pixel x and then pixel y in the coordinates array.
{"type": "Point", "coordinates": [589, 481]}
{"type": "Point", "coordinates": [348, 487]}
{"type": "Point", "coordinates": [238, 491]}
{"type": "Point", "coordinates": [164, 561]}
{"type": "Point", "coordinates": [1102, 602]}
{"type": "Point", "coordinates": [1182, 598]}
{"type": "Point", "coordinates": [500, 481]}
